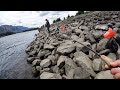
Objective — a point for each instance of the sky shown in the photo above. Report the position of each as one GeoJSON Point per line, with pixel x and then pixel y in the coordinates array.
{"type": "Point", "coordinates": [31, 18]}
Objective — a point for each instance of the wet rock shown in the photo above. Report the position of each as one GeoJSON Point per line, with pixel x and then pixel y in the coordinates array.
{"type": "Point", "coordinates": [47, 75]}
{"type": "Point", "coordinates": [97, 65]}
{"type": "Point", "coordinates": [48, 46]}
{"type": "Point", "coordinates": [83, 61]}
{"type": "Point", "coordinates": [36, 62]}
{"type": "Point", "coordinates": [81, 73]}
{"type": "Point", "coordinates": [45, 63]}
{"type": "Point", "coordinates": [104, 75]}
{"type": "Point", "coordinates": [30, 59]}
{"type": "Point", "coordinates": [66, 49]}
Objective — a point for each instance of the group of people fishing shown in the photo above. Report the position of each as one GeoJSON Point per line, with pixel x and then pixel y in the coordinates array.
{"type": "Point", "coordinates": [114, 65]}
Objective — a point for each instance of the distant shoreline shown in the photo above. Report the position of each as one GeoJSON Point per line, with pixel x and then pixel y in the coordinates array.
{"type": "Point", "coordinates": [11, 33]}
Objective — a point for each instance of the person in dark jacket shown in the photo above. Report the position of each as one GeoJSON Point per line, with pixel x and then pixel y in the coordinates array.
{"type": "Point", "coordinates": [47, 25]}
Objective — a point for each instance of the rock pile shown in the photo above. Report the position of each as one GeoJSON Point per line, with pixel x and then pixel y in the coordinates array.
{"type": "Point", "coordinates": [60, 57]}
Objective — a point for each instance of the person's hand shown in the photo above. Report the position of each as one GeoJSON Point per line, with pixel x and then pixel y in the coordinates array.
{"type": "Point", "coordinates": [115, 70]}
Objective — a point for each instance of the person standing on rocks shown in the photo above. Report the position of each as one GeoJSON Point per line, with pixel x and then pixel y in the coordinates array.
{"type": "Point", "coordinates": [47, 25]}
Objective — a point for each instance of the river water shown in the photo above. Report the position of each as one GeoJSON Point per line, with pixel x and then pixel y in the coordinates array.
{"type": "Point", "coordinates": [13, 64]}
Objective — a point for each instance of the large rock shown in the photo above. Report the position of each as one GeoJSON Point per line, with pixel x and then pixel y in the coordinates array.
{"type": "Point", "coordinates": [83, 61]}
{"type": "Point", "coordinates": [81, 73]}
{"type": "Point", "coordinates": [36, 62]}
{"type": "Point", "coordinates": [104, 52]}
{"type": "Point", "coordinates": [97, 65]}
{"type": "Point", "coordinates": [101, 27]}
{"type": "Point", "coordinates": [32, 53]}
{"type": "Point", "coordinates": [112, 56]}
{"type": "Point", "coordinates": [43, 53]}
{"type": "Point", "coordinates": [97, 34]}
{"type": "Point", "coordinates": [102, 45]}
{"type": "Point", "coordinates": [82, 48]}
{"type": "Point", "coordinates": [104, 75]}
{"type": "Point", "coordinates": [48, 46]}
{"type": "Point", "coordinates": [92, 54]}
{"type": "Point", "coordinates": [61, 61]}
{"type": "Point", "coordinates": [30, 59]}
{"type": "Point", "coordinates": [47, 75]}
{"type": "Point", "coordinates": [53, 59]}
{"type": "Point", "coordinates": [69, 67]}
{"type": "Point", "coordinates": [65, 49]}
{"type": "Point", "coordinates": [45, 63]}
{"type": "Point", "coordinates": [55, 69]}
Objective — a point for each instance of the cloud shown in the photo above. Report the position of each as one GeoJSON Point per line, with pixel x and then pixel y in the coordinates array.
{"type": "Point", "coordinates": [31, 18]}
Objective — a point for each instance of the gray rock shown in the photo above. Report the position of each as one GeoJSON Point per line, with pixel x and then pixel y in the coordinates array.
{"type": "Point", "coordinates": [101, 45]}
{"type": "Point", "coordinates": [97, 65]}
{"type": "Point", "coordinates": [55, 69]}
{"type": "Point", "coordinates": [104, 75]}
{"type": "Point", "coordinates": [30, 59]}
{"type": "Point", "coordinates": [105, 52]}
{"type": "Point", "coordinates": [53, 59]}
{"type": "Point", "coordinates": [97, 34]}
{"type": "Point", "coordinates": [28, 49]}
{"type": "Point", "coordinates": [55, 44]}
{"type": "Point", "coordinates": [69, 67]}
{"type": "Point", "coordinates": [32, 53]}
{"type": "Point", "coordinates": [84, 28]}
{"type": "Point", "coordinates": [82, 48]}
{"type": "Point", "coordinates": [83, 61]}
{"type": "Point", "coordinates": [65, 77]}
{"type": "Point", "coordinates": [45, 63]}
{"type": "Point", "coordinates": [101, 27]}
{"type": "Point", "coordinates": [34, 71]}
{"type": "Point", "coordinates": [48, 46]}
{"type": "Point", "coordinates": [81, 73]}
{"type": "Point", "coordinates": [112, 56]}
{"type": "Point", "coordinates": [66, 49]}
{"type": "Point", "coordinates": [38, 68]}
{"type": "Point", "coordinates": [43, 53]}
{"type": "Point", "coordinates": [44, 70]}
{"type": "Point", "coordinates": [36, 62]}
{"type": "Point", "coordinates": [61, 61]}
{"type": "Point", "coordinates": [47, 75]}
{"type": "Point", "coordinates": [92, 54]}
{"type": "Point", "coordinates": [91, 38]}
{"type": "Point", "coordinates": [74, 37]}
{"type": "Point", "coordinates": [77, 31]}
{"type": "Point", "coordinates": [117, 25]}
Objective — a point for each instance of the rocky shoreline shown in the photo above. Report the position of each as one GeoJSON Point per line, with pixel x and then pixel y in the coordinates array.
{"type": "Point", "coordinates": [60, 57]}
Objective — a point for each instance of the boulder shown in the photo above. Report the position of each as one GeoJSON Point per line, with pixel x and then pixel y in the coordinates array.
{"type": "Point", "coordinates": [81, 73]}
{"type": "Point", "coordinates": [45, 63]}
{"type": "Point", "coordinates": [92, 54]}
{"type": "Point", "coordinates": [55, 69]}
{"type": "Point", "coordinates": [34, 71]}
{"type": "Point", "coordinates": [69, 67]}
{"type": "Point", "coordinates": [97, 65]}
{"type": "Point", "coordinates": [105, 52]}
{"type": "Point", "coordinates": [48, 46]}
{"type": "Point", "coordinates": [36, 62]}
{"type": "Point", "coordinates": [53, 59]}
{"type": "Point", "coordinates": [65, 49]}
{"type": "Point", "coordinates": [43, 53]}
{"type": "Point", "coordinates": [104, 75]}
{"type": "Point", "coordinates": [47, 75]}
{"type": "Point", "coordinates": [102, 45]}
{"type": "Point", "coordinates": [30, 59]}
{"type": "Point", "coordinates": [32, 53]}
{"type": "Point", "coordinates": [101, 27]}
{"type": "Point", "coordinates": [83, 61]}
{"type": "Point", "coordinates": [44, 70]}
{"type": "Point", "coordinates": [61, 61]}
{"type": "Point", "coordinates": [82, 48]}
{"type": "Point", "coordinates": [112, 56]}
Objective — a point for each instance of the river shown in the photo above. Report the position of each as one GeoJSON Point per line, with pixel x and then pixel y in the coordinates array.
{"type": "Point", "coordinates": [13, 64]}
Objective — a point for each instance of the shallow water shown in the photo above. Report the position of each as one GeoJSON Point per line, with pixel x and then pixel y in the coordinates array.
{"type": "Point", "coordinates": [13, 63]}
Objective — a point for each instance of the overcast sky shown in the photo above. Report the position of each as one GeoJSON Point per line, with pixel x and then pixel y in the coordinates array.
{"type": "Point", "coordinates": [31, 18]}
